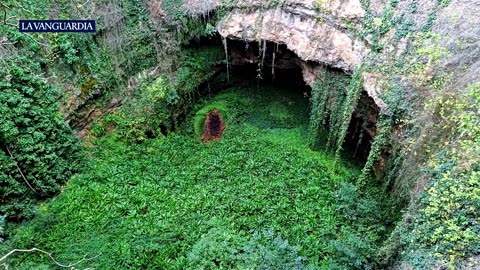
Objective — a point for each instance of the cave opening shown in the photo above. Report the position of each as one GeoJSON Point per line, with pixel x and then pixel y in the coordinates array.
{"type": "Point", "coordinates": [256, 64]}
{"type": "Point", "coordinates": [268, 64]}
{"type": "Point", "coordinates": [362, 128]}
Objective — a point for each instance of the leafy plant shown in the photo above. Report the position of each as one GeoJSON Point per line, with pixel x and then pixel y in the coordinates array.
{"type": "Point", "coordinates": [152, 204]}
{"type": "Point", "coordinates": [327, 103]}
{"type": "Point", "coordinates": [216, 250]}
{"type": "Point", "coordinates": [38, 150]}
{"type": "Point", "coordinates": [447, 223]}
{"type": "Point", "coordinates": [265, 250]}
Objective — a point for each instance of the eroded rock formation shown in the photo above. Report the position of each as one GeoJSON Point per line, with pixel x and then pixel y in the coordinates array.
{"type": "Point", "coordinates": [297, 26]}
{"type": "Point", "coordinates": [315, 32]}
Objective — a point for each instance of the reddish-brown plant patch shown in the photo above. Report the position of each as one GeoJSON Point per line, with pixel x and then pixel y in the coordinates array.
{"type": "Point", "coordinates": [213, 127]}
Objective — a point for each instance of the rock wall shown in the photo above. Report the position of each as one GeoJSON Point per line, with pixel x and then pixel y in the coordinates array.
{"type": "Point", "coordinates": [296, 24]}
{"type": "Point", "coordinates": [459, 26]}
{"type": "Point", "coordinates": [327, 32]}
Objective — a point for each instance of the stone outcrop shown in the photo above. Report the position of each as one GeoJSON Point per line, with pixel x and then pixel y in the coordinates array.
{"type": "Point", "coordinates": [316, 31]}
{"type": "Point", "coordinates": [297, 26]}
{"type": "Point", "coordinates": [372, 84]}
{"type": "Point", "coordinates": [458, 25]}
{"type": "Point", "coordinates": [311, 29]}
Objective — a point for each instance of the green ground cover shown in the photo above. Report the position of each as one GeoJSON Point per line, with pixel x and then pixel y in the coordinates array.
{"type": "Point", "coordinates": [260, 198]}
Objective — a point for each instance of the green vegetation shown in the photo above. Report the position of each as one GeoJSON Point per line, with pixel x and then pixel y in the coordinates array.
{"type": "Point", "coordinates": [2, 227]}
{"type": "Point", "coordinates": [433, 164]}
{"type": "Point", "coordinates": [334, 99]}
{"type": "Point", "coordinates": [152, 195]}
{"type": "Point", "coordinates": [157, 104]}
{"type": "Point", "coordinates": [259, 198]}
{"type": "Point", "coordinates": [38, 151]}
{"type": "Point", "coordinates": [353, 94]}
{"type": "Point", "coordinates": [448, 221]}
{"type": "Point", "coordinates": [374, 29]}
{"type": "Point", "coordinates": [328, 96]}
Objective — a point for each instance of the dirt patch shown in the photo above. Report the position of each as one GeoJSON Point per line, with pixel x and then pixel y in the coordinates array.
{"type": "Point", "coordinates": [213, 127]}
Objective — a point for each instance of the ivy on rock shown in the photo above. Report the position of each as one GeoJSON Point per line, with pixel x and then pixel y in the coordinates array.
{"type": "Point", "coordinates": [38, 151]}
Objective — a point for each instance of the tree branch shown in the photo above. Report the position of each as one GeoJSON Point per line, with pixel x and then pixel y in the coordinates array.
{"type": "Point", "coordinates": [4, 12]}
{"type": "Point", "coordinates": [19, 170]}
{"type": "Point", "coordinates": [50, 256]}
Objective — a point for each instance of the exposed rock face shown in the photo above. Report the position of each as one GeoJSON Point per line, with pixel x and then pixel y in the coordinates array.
{"type": "Point", "coordinates": [309, 72]}
{"type": "Point", "coordinates": [315, 32]}
{"type": "Point", "coordinates": [459, 26]}
{"type": "Point", "coordinates": [296, 24]}
{"type": "Point", "coordinates": [310, 29]}
{"type": "Point", "coordinates": [339, 8]}
{"type": "Point", "coordinates": [373, 87]}
{"type": "Point", "coordinates": [194, 7]}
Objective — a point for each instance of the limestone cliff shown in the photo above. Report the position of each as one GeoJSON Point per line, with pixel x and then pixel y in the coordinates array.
{"type": "Point", "coordinates": [296, 24]}
{"type": "Point", "coordinates": [336, 32]}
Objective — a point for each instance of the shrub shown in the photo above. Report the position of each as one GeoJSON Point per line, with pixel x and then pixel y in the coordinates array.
{"type": "Point", "coordinates": [354, 207]}
{"type": "Point", "coordinates": [38, 151]}
{"type": "Point", "coordinates": [225, 249]}
{"type": "Point", "coordinates": [217, 249]}
{"type": "Point", "coordinates": [265, 250]}
{"type": "Point", "coordinates": [353, 251]}
{"type": "Point", "coordinates": [160, 92]}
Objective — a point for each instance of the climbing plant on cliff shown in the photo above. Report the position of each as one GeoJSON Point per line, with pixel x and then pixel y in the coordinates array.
{"type": "Point", "coordinates": [353, 94]}
{"type": "Point", "coordinates": [334, 98]}
{"type": "Point", "coordinates": [448, 222]}
{"type": "Point", "coordinates": [328, 97]}
{"type": "Point", "coordinates": [385, 127]}
{"type": "Point", "coordinates": [38, 151]}
{"type": "Point", "coordinates": [157, 104]}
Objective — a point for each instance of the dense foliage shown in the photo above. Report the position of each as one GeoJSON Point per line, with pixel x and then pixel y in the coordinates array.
{"type": "Point", "coordinates": [259, 197]}
{"type": "Point", "coordinates": [334, 99]}
{"type": "Point", "coordinates": [39, 152]}
{"type": "Point", "coordinates": [328, 96]}
{"type": "Point", "coordinates": [153, 110]}
{"type": "Point", "coordinates": [2, 227]}
{"type": "Point", "coordinates": [448, 222]}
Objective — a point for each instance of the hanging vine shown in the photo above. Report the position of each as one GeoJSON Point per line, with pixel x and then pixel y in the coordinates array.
{"type": "Point", "coordinates": [261, 56]}
{"type": "Point", "coordinates": [329, 94]}
{"type": "Point", "coordinates": [353, 94]}
{"type": "Point", "coordinates": [318, 108]}
{"type": "Point", "coordinates": [264, 50]}
{"type": "Point", "coordinates": [337, 104]}
{"type": "Point", "coordinates": [273, 61]}
{"type": "Point", "coordinates": [225, 46]}
{"type": "Point", "coordinates": [385, 127]}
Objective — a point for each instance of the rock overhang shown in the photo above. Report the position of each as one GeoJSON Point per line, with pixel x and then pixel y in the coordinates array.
{"type": "Point", "coordinates": [300, 32]}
